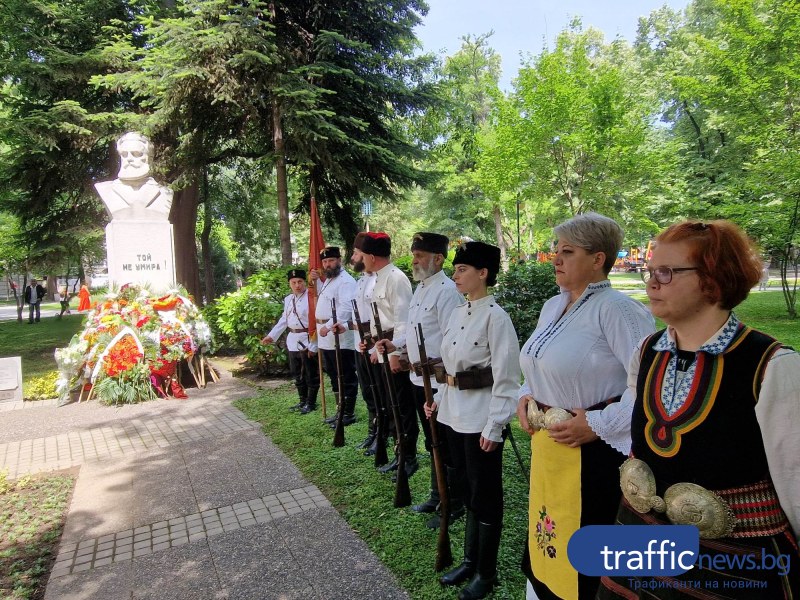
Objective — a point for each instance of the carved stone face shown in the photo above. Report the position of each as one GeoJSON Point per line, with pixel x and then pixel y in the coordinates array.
{"type": "Point", "coordinates": [134, 162]}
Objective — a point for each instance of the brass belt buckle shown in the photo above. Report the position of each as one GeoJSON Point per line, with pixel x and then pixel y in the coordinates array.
{"type": "Point", "coordinates": [685, 503]}
{"type": "Point", "coordinates": [452, 381]}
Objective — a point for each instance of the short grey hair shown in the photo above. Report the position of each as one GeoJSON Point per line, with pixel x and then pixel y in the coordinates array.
{"type": "Point", "coordinates": [594, 233]}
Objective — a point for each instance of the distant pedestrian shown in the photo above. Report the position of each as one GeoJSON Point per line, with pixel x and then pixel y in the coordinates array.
{"type": "Point", "coordinates": [764, 281]}
{"type": "Point", "coordinates": [33, 296]}
{"type": "Point", "coordinates": [63, 298]}
{"type": "Point", "coordinates": [84, 299]}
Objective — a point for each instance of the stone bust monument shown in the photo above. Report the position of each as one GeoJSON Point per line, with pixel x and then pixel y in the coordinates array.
{"type": "Point", "coordinates": [134, 195]}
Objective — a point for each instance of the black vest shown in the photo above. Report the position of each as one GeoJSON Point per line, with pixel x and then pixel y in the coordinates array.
{"type": "Point", "coordinates": [714, 439]}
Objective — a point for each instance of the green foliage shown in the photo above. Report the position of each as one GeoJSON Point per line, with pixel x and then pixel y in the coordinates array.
{"type": "Point", "coordinates": [32, 513]}
{"type": "Point", "coordinates": [240, 319]}
{"type": "Point", "coordinates": [129, 387]}
{"type": "Point", "coordinates": [522, 290]}
{"type": "Point", "coordinates": [43, 387]}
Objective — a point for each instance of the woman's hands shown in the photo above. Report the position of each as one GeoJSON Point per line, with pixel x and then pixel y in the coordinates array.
{"type": "Point", "coordinates": [522, 413]}
{"type": "Point", "coordinates": [573, 432]}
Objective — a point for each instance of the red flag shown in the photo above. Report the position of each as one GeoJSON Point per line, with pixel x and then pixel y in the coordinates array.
{"type": "Point", "coordinates": [315, 246]}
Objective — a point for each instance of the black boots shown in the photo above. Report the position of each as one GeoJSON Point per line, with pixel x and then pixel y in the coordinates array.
{"type": "Point", "coordinates": [455, 488]}
{"type": "Point", "coordinates": [431, 503]}
{"type": "Point", "coordinates": [311, 401]}
{"type": "Point", "coordinates": [470, 563]}
{"type": "Point", "coordinates": [485, 579]}
{"type": "Point", "coordinates": [481, 543]}
{"type": "Point", "coordinates": [368, 441]}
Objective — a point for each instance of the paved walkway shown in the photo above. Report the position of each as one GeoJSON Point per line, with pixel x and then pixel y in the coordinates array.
{"type": "Point", "coordinates": [187, 499]}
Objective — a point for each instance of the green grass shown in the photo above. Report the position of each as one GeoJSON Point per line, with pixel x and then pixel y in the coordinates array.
{"type": "Point", "coordinates": [36, 343]}
{"type": "Point", "coordinates": [765, 311]}
{"type": "Point", "coordinates": [32, 513]}
{"type": "Point", "coordinates": [364, 497]}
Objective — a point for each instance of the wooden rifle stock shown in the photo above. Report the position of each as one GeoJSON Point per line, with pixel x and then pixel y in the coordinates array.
{"type": "Point", "coordinates": [380, 411]}
{"type": "Point", "coordinates": [402, 493]}
{"type": "Point", "coordinates": [444, 556]}
{"type": "Point", "coordinates": [338, 436]}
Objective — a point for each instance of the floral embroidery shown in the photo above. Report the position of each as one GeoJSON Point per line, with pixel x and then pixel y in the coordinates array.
{"type": "Point", "coordinates": [545, 533]}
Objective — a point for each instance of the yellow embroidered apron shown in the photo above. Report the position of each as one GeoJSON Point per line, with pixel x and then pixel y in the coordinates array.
{"type": "Point", "coordinates": [554, 512]}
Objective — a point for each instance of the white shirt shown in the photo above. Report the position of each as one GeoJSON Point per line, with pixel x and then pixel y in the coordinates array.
{"type": "Point", "coordinates": [480, 334]}
{"type": "Point", "coordinates": [364, 285]}
{"type": "Point", "coordinates": [433, 302]}
{"type": "Point", "coordinates": [294, 316]}
{"type": "Point", "coordinates": [580, 359]}
{"type": "Point", "coordinates": [777, 412]}
{"type": "Point", "coordinates": [341, 288]}
{"type": "Point", "coordinates": [392, 294]}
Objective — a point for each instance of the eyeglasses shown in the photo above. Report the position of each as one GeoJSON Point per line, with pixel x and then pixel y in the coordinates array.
{"type": "Point", "coordinates": [663, 275]}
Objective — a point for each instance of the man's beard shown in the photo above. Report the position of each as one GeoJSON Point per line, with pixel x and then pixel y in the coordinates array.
{"type": "Point", "coordinates": [359, 266]}
{"type": "Point", "coordinates": [333, 271]}
{"type": "Point", "coordinates": [422, 272]}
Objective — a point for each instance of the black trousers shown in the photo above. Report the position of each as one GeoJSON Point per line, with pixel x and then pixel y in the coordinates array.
{"type": "Point", "coordinates": [418, 393]}
{"type": "Point", "coordinates": [484, 474]}
{"type": "Point", "coordinates": [305, 372]}
{"type": "Point", "coordinates": [405, 401]}
{"type": "Point", "coordinates": [364, 377]}
{"type": "Point", "coordinates": [349, 376]}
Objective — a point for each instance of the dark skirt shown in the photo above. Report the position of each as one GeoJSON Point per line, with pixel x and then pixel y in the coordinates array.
{"type": "Point", "coordinates": [738, 579]}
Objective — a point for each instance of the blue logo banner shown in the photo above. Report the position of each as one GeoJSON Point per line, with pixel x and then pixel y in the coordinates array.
{"type": "Point", "coordinates": [634, 550]}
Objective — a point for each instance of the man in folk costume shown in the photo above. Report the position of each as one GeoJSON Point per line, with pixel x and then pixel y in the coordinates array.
{"type": "Point", "coordinates": [334, 283]}
{"type": "Point", "coordinates": [392, 294]}
{"type": "Point", "coordinates": [434, 300]}
{"type": "Point", "coordinates": [302, 351]}
{"type": "Point", "coordinates": [366, 281]}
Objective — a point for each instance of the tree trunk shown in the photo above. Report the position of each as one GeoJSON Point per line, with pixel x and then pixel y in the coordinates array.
{"type": "Point", "coordinates": [498, 231]}
{"type": "Point", "coordinates": [52, 286]}
{"type": "Point", "coordinates": [283, 195]}
{"type": "Point", "coordinates": [205, 243]}
{"type": "Point", "coordinates": [183, 216]}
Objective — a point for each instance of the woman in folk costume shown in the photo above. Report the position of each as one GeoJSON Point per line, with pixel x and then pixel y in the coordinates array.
{"type": "Point", "coordinates": [479, 354]}
{"type": "Point", "coordinates": [716, 425]}
{"type": "Point", "coordinates": [574, 402]}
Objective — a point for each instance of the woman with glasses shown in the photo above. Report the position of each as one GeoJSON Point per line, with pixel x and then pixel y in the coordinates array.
{"type": "Point", "coordinates": [715, 426]}
{"type": "Point", "coordinates": [574, 402]}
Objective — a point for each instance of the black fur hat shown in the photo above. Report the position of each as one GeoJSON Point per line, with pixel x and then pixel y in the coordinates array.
{"type": "Point", "coordinates": [481, 256]}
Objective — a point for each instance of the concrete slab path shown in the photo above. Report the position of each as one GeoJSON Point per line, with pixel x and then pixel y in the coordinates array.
{"type": "Point", "coordinates": [187, 500]}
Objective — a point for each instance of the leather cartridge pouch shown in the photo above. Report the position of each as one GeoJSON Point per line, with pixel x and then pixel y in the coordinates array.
{"type": "Point", "coordinates": [432, 362]}
{"type": "Point", "coordinates": [471, 379]}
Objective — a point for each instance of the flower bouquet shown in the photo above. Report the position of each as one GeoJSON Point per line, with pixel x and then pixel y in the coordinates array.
{"type": "Point", "coordinates": [130, 346]}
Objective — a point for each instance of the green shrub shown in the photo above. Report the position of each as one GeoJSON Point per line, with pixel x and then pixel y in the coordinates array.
{"type": "Point", "coordinates": [42, 388]}
{"type": "Point", "coordinates": [240, 319]}
{"type": "Point", "coordinates": [522, 290]}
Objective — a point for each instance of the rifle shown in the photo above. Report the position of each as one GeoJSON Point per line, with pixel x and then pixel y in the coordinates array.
{"type": "Point", "coordinates": [338, 436]}
{"type": "Point", "coordinates": [380, 422]}
{"type": "Point", "coordinates": [444, 556]}
{"type": "Point", "coordinates": [402, 493]}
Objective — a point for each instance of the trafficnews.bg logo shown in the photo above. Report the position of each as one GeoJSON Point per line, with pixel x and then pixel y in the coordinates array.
{"type": "Point", "coordinates": [658, 551]}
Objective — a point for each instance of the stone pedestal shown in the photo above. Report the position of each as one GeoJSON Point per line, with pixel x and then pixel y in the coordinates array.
{"type": "Point", "coordinates": [142, 253]}
{"type": "Point", "coordinates": [11, 379]}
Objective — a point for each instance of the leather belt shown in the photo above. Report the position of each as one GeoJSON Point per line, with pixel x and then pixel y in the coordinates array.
{"type": "Point", "coordinates": [417, 366]}
{"type": "Point", "coordinates": [322, 321]}
{"type": "Point", "coordinates": [297, 330]}
{"type": "Point", "coordinates": [471, 379]}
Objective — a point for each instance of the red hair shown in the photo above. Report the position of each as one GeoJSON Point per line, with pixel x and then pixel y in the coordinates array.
{"type": "Point", "coordinates": [727, 261]}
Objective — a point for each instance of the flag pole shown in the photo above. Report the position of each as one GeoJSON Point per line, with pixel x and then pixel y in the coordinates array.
{"type": "Point", "coordinates": [315, 246]}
